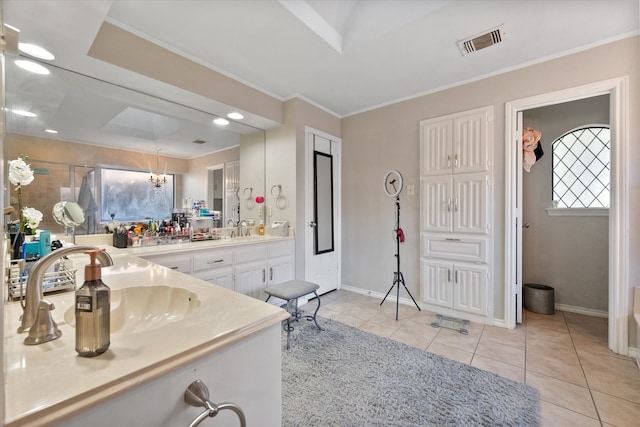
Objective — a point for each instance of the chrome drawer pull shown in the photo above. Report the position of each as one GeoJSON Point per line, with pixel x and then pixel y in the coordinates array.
{"type": "Point", "coordinates": [451, 240]}
{"type": "Point", "coordinates": [215, 262]}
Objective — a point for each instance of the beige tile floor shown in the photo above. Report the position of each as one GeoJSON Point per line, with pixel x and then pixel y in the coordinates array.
{"type": "Point", "coordinates": [564, 356]}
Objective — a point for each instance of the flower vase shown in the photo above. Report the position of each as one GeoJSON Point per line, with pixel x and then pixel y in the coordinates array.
{"type": "Point", "coordinates": [17, 239]}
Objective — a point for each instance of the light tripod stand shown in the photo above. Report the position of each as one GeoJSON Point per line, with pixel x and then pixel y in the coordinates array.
{"type": "Point", "coordinates": [398, 278]}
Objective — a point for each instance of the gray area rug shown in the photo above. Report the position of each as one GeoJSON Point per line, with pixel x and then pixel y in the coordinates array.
{"type": "Point", "coordinates": [343, 376]}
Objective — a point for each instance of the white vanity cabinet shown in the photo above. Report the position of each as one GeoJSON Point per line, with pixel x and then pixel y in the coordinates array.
{"type": "Point", "coordinates": [244, 268]}
{"type": "Point", "coordinates": [456, 220]}
{"type": "Point", "coordinates": [250, 271]}
{"type": "Point", "coordinates": [254, 270]}
{"type": "Point", "coordinates": [214, 266]}
{"type": "Point", "coordinates": [257, 391]}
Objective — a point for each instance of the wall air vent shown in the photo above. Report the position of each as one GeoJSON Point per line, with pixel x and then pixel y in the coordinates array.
{"type": "Point", "coordinates": [199, 141]}
{"type": "Point", "coordinates": [482, 41]}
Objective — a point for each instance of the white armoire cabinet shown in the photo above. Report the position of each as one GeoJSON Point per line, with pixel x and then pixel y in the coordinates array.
{"type": "Point", "coordinates": [456, 227]}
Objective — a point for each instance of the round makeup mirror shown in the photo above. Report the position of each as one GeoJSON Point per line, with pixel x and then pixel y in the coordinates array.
{"type": "Point", "coordinates": [69, 214]}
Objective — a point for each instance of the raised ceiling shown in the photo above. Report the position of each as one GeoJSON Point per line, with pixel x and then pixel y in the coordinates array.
{"type": "Point", "coordinates": [344, 56]}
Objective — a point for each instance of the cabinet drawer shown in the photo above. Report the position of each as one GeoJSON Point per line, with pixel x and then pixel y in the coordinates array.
{"type": "Point", "coordinates": [249, 253]}
{"type": "Point", "coordinates": [470, 249]}
{"type": "Point", "coordinates": [280, 249]}
{"type": "Point", "coordinates": [181, 263]}
{"type": "Point", "coordinates": [211, 260]}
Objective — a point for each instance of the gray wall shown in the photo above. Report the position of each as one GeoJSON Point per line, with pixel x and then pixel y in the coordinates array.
{"type": "Point", "coordinates": [388, 138]}
{"type": "Point", "coordinates": [569, 253]}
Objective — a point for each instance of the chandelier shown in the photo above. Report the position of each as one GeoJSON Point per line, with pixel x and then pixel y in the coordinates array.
{"type": "Point", "coordinates": [157, 179]}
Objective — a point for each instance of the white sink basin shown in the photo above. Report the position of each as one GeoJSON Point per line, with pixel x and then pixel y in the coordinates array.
{"type": "Point", "coordinates": [144, 308]}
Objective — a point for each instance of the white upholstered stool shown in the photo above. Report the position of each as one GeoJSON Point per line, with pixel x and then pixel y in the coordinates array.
{"type": "Point", "coordinates": [290, 292]}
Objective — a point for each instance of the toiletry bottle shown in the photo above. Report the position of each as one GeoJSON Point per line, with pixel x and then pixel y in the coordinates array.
{"type": "Point", "coordinates": [93, 306]}
{"type": "Point", "coordinates": [261, 228]}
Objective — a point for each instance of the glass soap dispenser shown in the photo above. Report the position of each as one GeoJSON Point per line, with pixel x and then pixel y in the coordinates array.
{"type": "Point", "coordinates": [93, 311]}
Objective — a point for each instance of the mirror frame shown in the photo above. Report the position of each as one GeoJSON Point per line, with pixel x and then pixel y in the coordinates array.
{"type": "Point", "coordinates": [324, 240]}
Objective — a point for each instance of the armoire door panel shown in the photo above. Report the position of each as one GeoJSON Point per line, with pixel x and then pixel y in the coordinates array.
{"type": "Point", "coordinates": [470, 143]}
{"type": "Point", "coordinates": [437, 204]}
{"type": "Point", "coordinates": [435, 148]}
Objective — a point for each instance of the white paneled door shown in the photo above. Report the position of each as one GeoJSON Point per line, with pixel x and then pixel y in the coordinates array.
{"type": "Point", "coordinates": [322, 213]}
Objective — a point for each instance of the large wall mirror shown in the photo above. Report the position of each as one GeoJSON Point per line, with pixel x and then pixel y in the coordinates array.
{"type": "Point", "coordinates": [101, 126]}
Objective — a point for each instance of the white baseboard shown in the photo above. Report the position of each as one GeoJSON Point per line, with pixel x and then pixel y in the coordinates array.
{"type": "Point", "coordinates": [499, 323]}
{"type": "Point", "coordinates": [581, 310]}
{"type": "Point", "coordinates": [635, 353]}
{"type": "Point", "coordinates": [369, 293]}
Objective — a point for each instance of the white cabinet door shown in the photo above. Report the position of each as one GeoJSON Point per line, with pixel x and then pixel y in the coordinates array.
{"type": "Point", "coordinates": [436, 282]}
{"type": "Point", "coordinates": [436, 148]}
{"type": "Point", "coordinates": [455, 144]}
{"type": "Point", "coordinates": [454, 203]}
{"type": "Point", "coordinates": [251, 279]}
{"type": "Point", "coordinates": [470, 289]}
{"type": "Point", "coordinates": [436, 204]}
{"type": "Point", "coordinates": [469, 203]}
{"type": "Point", "coordinates": [280, 270]}
{"type": "Point", "coordinates": [470, 143]}
{"type": "Point", "coordinates": [458, 286]}
{"type": "Point", "coordinates": [218, 276]}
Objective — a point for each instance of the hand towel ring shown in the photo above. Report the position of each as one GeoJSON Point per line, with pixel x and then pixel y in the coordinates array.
{"type": "Point", "coordinates": [281, 201]}
{"type": "Point", "coordinates": [244, 193]}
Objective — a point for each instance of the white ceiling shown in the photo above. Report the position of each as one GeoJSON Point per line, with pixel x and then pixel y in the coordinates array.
{"type": "Point", "coordinates": [344, 56]}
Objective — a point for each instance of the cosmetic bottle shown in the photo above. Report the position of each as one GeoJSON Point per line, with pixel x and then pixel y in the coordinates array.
{"type": "Point", "coordinates": [93, 311]}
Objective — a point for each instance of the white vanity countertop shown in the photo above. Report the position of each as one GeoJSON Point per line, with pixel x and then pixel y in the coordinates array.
{"type": "Point", "coordinates": [104, 240]}
{"type": "Point", "coordinates": [47, 382]}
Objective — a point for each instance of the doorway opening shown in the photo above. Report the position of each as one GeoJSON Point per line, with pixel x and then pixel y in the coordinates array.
{"type": "Point", "coordinates": [565, 201]}
{"type": "Point", "coordinates": [618, 288]}
{"type": "Point", "coordinates": [215, 195]}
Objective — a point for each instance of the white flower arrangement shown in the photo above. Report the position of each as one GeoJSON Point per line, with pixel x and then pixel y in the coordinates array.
{"type": "Point", "coordinates": [32, 218]}
{"type": "Point", "coordinates": [20, 174]}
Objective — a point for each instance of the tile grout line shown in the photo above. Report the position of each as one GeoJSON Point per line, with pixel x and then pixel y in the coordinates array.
{"type": "Point", "coordinates": [595, 406]}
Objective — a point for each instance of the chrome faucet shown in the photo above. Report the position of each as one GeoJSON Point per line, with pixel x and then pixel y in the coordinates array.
{"type": "Point", "coordinates": [238, 230]}
{"type": "Point", "coordinates": [33, 293]}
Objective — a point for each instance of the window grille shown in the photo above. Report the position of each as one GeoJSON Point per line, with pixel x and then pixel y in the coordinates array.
{"type": "Point", "coordinates": [581, 168]}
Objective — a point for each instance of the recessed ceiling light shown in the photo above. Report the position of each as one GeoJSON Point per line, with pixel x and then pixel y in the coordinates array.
{"type": "Point", "coordinates": [235, 116]}
{"type": "Point", "coordinates": [51, 131]}
{"type": "Point", "coordinates": [220, 121]}
{"type": "Point", "coordinates": [24, 113]}
{"type": "Point", "coordinates": [34, 67]}
{"type": "Point", "coordinates": [35, 51]}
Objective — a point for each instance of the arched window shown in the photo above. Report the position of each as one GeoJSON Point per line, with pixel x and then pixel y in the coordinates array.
{"type": "Point", "coordinates": [581, 167]}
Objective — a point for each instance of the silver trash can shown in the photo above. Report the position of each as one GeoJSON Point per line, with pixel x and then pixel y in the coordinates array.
{"type": "Point", "coordinates": [539, 298]}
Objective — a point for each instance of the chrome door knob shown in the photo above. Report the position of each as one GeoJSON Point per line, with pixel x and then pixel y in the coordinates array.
{"type": "Point", "coordinates": [312, 224]}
